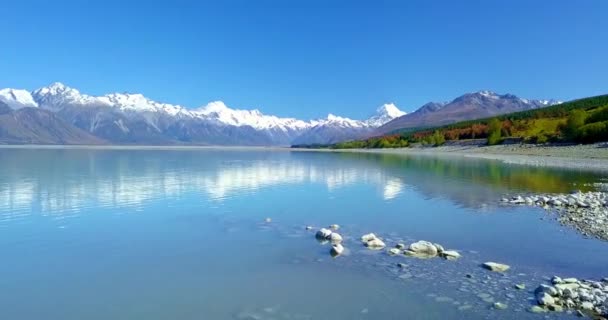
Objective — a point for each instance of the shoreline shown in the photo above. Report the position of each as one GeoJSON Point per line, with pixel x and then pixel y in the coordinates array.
{"type": "Point", "coordinates": [592, 157]}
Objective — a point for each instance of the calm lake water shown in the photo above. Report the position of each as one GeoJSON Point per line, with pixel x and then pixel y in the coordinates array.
{"type": "Point", "coordinates": [180, 234]}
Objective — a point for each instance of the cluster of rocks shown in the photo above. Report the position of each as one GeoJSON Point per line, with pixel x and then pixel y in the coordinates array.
{"type": "Point", "coordinates": [330, 235]}
{"type": "Point", "coordinates": [586, 212]}
{"type": "Point", "coordinates": [584, 296]}
{"type": "Point", "coordinates": [420, 249]}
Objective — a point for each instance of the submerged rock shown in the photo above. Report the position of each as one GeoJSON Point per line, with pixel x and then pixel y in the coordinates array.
{"type": "Point", "coordinates": [496, 267]}
{"type": "Point", "coordinates": [334, 227]}
{"type": "Point", "coordinates": [500, 306]}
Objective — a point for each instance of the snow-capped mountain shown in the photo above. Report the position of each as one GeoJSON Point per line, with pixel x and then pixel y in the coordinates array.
{"type": "Point", "coordinates": [17, 99]}
{"type": "Point", "coordinates": [384, 114]}
{"type": "Point", "coordinates": [133, 118]}
{"type": "Point", "coordinates": [475, 105]}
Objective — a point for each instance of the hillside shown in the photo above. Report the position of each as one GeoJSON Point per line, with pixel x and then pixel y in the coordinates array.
{"type": "Point", "coordinates": [581, 121]}
{"type": "Point", "coordinates": [35, 126]}
{"type": "Point", "coordinates": [469, 106]}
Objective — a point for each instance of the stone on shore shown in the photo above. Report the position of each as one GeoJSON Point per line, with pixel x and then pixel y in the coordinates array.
{"type": "Point", "coordinates": [496, 267]}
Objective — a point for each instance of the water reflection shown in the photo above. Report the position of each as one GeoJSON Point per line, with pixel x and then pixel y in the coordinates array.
{"type": "Point", "coordinates": [64, 182]}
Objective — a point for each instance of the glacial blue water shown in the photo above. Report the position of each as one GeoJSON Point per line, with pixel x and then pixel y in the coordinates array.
{"type": "Point", "coordinates": [180, 234]}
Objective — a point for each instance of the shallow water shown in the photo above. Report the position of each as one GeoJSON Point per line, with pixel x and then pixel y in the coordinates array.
{"type": "Point", "coordinates": [180, 234]}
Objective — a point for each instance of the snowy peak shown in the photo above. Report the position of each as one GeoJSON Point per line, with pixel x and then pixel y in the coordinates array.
{"type": "Point", "coordinates": [17, 98]}
{"type": "Point", "coordinates": [389, 109]}
{"type": "Point", "coordinates": [384, 114]}
{"type": "Point", "coordinates": [218, 111]}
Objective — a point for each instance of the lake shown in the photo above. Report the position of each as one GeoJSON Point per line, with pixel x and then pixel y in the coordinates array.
{"type": "Point", "coordinates": [181, 234]}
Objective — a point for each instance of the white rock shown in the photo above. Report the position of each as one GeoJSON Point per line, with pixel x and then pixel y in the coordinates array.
{"type": "Point", "coordinates": [368, 237]}
{"type": "Point", "coordinates": [323, 234]}
{"type": "Point", "coordinates": [334, 227]}
{"type": "Point", "coordinates": [496, 267]}
{"type": "Point", "coordinates": [439, 247]}
{"type": "Point", "coordinates": [545, 299]}
{"type": "Point", "coordinates": [394, 251]}
{"type": "Point", "coordinates": [335, 238]}
{"type": "Point", "coordinates": [450, 254]}
{"type": "Point", "coordinates": [375, 244]}
{"type": "Point", "coordinates": [336, 249]}
{"type": "Point", "coordinates": [423, 247]}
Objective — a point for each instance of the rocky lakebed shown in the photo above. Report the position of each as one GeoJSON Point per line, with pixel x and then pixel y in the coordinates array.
{"type": "Point", "coordinates": [461, 279]}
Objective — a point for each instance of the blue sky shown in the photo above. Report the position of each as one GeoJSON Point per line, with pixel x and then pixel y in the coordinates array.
{"type": "Point", "coordinates": [308, 58]}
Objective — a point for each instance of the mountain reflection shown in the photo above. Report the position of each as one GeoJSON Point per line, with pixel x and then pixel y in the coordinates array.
{"type": "Point", "coordinates": [64, 182]}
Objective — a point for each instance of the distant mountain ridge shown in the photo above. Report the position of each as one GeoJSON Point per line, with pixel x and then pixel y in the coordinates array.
{"type": "Point", "coordinates": [33, 126]}
{"type": "Point", "coordinates": [125, 118]}
{"type": "Point", "coordinates": [476, 105]}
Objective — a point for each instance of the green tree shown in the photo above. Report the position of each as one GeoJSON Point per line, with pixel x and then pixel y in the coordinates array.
{"type": "Point", "coordinates": [438, 138]}
{"type": "Point", "coordinates": [494, 132]}
{"type": "Point", "coordinates": [576, 119]}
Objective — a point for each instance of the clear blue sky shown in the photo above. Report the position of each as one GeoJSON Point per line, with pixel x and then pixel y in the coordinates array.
{"type": "Point", "coordinates": [308, 58]}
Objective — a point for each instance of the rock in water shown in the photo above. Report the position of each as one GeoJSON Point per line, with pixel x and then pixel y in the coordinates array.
{"type": "Point", "coordinates": [537, 309]}
{"type": "Point", "coordinates": [368, 237]}
{"type": "Point", "coordinates": [545, 299]}
{"type": "Point", "coordinates": [394, 251]}
{"type": "Point", "coordinates": [323, 234]}
{"type": "Point", "coordinates": [500, 306]}
{"type": "Point", "coordinates": [335, 238]}
{"type": "Point", "coordinates": [496, 267]}
{"type": "Point", "coordinates": [450, 254]}
{"type": "Point", "coordinates": [439, 247]}
{"type": "Point", "coordinates": [336, 250]}
{"type": "Point", "coordinates": [334, 227]}
{"type": "Point", "coordinates": [268, 220]}
{"type": "Point", "coordinates": [422, 248]}
{"type": "Point", "coordinates": [375, 244]}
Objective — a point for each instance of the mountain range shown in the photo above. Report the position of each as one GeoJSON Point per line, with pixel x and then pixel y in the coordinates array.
{"type": "Point", "coordinates": [58, 114]}
{"type": "Point", "coordinates": [482, 104]}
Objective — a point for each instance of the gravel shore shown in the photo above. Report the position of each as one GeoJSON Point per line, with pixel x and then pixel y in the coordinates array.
{"type": "Point", "coordinates": [584, 157]}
